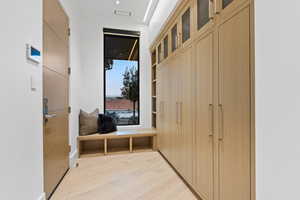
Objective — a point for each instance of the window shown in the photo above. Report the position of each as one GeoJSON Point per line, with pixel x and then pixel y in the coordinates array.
{"type": "Point", "coordinates": [121, 79]}
{"type": "Point", "coordinates": [186, 25]}
{"type": "Point", "coordinates": [202, 12]}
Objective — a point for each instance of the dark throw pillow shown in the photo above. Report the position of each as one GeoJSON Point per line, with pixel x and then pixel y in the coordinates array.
{"type": "Point", "coordinates": [88, 122]}
{"type": "Point", "coordinates": [106, 124]}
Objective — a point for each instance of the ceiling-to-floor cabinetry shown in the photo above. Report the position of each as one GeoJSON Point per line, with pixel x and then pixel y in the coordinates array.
{"type": "Point", "coordinates": [204, 92]}
{"type": "Point", "coordinates": [234, 104]}
{"type": "Point", "coordinates": [204, 113]}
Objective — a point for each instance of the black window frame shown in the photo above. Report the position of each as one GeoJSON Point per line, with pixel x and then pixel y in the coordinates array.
{"type": "Point", "coordinates": [128, 34]}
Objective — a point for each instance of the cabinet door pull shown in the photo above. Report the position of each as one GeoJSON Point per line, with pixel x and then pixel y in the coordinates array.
{"type": "Point", "coordinates": [180, 116]}
{"type": "Point", "coordinates": [221, 121]}
{"type": "Point", "coordinates": [211, 125]}
{"type": "Point", "coordinates": [177, 113]}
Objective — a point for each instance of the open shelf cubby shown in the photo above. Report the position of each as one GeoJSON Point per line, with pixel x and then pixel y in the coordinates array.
{"type": "Point", "coordinates": [92, 148]}
{"type": "Point", "coordinates": [154, 82]}
{"type": "Point", "coordinates": [142, 144]}
{"type": "Point", "coordinates": [118, 145]}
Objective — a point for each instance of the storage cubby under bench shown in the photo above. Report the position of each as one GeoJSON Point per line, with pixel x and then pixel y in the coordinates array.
{"type": "Point", "coordinates": [126, 141]}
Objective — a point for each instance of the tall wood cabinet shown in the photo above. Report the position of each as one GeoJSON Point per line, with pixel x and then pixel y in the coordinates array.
{"type": "Point", "coordinates": [204, 121]}
{"type": "Point", "coordinates": [204, 92]}
{"type": "Point", "coordinates": [234, 107]}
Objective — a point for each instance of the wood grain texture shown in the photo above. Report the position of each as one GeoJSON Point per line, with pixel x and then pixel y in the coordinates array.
{"type": "Point", "coordinates": [206, 129]}
{"type": "Point", "coordinates": [144, 176]}
{"type": "Point", "coordinates": [56, 91]}
{"type": "Point", "coordinates": [234, 97]}
{"type": "Point", "coordinates": [204, 106]}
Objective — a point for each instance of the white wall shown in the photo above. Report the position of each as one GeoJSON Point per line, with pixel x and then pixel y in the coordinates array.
{"type": "Point", "coordinates": [21, 143]}
{"type": "Point", "coordinates": [163, 10]}
{"type": "Point", "coordinates": [277, 99]}
{"type": "Point", "coordinates": [92, 63]}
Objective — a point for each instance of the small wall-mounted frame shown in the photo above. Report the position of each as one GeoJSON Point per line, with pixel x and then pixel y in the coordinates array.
{"type": "Point", "coordinates": [33, 54]}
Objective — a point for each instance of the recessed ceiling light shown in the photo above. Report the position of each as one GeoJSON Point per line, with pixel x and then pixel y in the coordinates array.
{"type": "Point", "coordinates": [123, 13]}
{"type": "Point", "coordinates": [118, 2]}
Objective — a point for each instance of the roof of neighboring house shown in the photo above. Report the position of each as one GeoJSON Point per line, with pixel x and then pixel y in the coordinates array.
{"type": "Point", "coordinates": [118, 104]}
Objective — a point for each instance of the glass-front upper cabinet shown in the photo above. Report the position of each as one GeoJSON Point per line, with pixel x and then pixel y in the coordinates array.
{"type": "Point", "coordinates": [225, 3]}
{"type": "Point", "coordinates": [186, 25]}
{"type": "Point", "coordinates": [174, 36]}
{"type": "Point", "coordinates": [166, 46]}
{"type": "Point", "coordinates": [203, 14]}
{"type": "Point", "coordinates": [159, 58]}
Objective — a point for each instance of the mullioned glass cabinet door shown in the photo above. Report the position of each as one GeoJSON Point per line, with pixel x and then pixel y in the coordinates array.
{"type": "Point", "coordinates": [186, 25]}
{"type": "Point", "coordinates": [202, 13]}
{"type": "Point", "coordinates": [226, 3]}
{"type": "Point", "coordinates": [166, 46]}
{"type": "Point", "coordinates": [174, 37]}
{"type": "Point", "coordinates": [159, 53]}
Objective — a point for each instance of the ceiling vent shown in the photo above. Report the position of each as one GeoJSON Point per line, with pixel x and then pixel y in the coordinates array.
{"type": "Point", "coordinates": [123, 13]}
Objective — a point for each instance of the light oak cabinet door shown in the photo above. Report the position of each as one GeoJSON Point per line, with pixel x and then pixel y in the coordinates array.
{"type": "Point", "coordinates": [161, 110]}
{"type": "Point", "coordinates": [185, 110]}
{"type": "Point", "coordinates": [204, 129]}
{"type": "Point", "coordinates": [168, 111]}
{"type": "Point", "coordinates": [234, 108]}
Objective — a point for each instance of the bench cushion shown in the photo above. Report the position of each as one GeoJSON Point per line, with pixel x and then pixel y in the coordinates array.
{"type": "Point", "coordinates": [120, 134]}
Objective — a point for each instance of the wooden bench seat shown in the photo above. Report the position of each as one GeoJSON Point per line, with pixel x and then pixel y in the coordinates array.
{"type": "Point", "coordinates": [125, 134]}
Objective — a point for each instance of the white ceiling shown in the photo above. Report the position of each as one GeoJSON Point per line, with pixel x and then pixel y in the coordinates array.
{"type": "Point", "coordinates": [106, 8]}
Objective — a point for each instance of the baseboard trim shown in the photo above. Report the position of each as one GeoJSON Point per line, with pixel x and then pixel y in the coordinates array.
{"type": "Point", "coordinates": [42, 197]}
{"type": "Point", "coordinates": [181, 177]}
{"type": "Point", "coordinates": [73, 159]}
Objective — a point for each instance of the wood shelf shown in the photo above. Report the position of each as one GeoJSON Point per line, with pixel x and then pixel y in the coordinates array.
{"type": "Point", "coordinates": [119, 142]}
{"type": "Point", "coordinates": [155, 57]}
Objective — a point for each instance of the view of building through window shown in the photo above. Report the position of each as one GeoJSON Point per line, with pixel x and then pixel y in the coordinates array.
{"type": "Point", "coordinates": [122, 79]}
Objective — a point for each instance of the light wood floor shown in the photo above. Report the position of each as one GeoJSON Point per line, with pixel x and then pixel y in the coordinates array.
{"type": "Point", "coordinates": [137, 176]}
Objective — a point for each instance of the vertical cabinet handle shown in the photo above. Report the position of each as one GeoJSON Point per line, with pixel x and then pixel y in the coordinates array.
{"type": "Point", "coordinates": [221, 120]}
{"type": "Point", "coordinates": [211, 125]}
{"type": "Point", "coordinates": [177, 113]}
{"type": "Point", "coordinates": [180, 116]}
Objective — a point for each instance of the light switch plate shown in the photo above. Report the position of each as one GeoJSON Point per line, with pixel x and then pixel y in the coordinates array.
{"type": "Point", "coordinates": [33, 83]}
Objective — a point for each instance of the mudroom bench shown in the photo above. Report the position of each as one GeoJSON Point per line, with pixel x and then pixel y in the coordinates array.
{"type": "Point", "coordinates": [126, 141]}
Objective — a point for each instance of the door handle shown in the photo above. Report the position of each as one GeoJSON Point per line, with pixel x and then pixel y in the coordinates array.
{"type": "Point", "coordinates": [49, 116]}
{"type": "Point", "coordinates": [211, 125]}
{"type": "Point", "coordinates": [221, 120]}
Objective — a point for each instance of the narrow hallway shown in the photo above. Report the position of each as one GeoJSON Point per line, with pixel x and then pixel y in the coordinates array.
{"type": "Point", "coordinates": [129, 176]}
